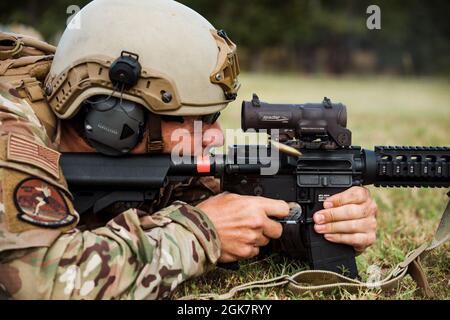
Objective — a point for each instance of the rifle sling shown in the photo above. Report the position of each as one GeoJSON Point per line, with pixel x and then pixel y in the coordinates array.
{"type": "Point", "coordinates": [326, 281]}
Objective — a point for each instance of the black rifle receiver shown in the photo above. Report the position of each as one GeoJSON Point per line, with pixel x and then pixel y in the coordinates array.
{"type": "Point", "coordinates": [329, 164]}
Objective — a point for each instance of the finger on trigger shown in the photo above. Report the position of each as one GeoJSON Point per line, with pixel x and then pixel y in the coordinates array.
{"type": "Point", "coordinates": [274, 208]}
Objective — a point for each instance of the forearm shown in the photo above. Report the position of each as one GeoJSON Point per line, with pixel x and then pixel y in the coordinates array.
{"type": "Point", "coordinates": [130, 258]}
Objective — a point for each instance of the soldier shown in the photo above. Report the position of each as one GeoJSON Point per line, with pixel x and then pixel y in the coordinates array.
{"type": "Point", "coordinates": [132, 74]}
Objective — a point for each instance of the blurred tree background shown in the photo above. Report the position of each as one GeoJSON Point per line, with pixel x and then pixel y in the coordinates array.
{"type": "Point", "coordinates": [308, 36]}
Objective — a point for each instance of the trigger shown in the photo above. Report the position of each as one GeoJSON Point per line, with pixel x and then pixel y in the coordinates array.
{"type": "Point", "coordinates": [295, 214]}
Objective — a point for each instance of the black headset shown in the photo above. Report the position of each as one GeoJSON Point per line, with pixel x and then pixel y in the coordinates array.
{"type": "Point", "coordinates": [114, 126]}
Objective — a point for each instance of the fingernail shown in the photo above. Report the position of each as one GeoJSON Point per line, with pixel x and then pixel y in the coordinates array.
{"type": "Point", "coordinates": [319, 218]}
{"type": "Point", "coordinates": [328, 204]}
{"type": "Point", "coordinates": [319, 228]}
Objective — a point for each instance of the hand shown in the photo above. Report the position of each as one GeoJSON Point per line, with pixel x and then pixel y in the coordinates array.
{"type": "Point", "coordinates": [243, 223]}
{"type": "Point", "coordinates": [349, 218]}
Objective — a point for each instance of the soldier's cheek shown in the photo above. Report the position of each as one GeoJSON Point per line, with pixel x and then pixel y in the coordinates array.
{"type": "Point", "coordinates": [213, 137]}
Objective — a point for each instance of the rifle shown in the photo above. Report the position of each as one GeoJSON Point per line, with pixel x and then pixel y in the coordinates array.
{"type": "Point", "coordinates": [317, 160]}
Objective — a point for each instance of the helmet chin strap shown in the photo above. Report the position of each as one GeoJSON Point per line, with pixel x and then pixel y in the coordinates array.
{"type": "Point", "coordinates": [155, 142]}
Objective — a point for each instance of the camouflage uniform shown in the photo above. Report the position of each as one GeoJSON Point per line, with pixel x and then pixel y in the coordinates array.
{"type": "Point", "coordinates": [43, 255]}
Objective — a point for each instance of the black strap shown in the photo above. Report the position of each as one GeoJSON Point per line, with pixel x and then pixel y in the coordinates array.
{"type": "Point", "coordinates": [154, 141]}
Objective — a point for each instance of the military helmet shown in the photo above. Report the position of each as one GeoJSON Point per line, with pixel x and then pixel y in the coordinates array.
{"type": "Point", "coordinates": [178, 63]}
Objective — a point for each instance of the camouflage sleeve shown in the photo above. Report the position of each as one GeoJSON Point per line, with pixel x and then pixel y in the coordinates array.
{"type": "Point", "coordinates": [44, 256]}
{"type": "Point", "coordinates": [196, 190]}
{"type": "Point", "coordinates": [130, 258]}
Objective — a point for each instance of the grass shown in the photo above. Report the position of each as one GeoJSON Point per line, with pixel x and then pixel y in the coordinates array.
{"type": "Point", "coordinates": [381, 111]}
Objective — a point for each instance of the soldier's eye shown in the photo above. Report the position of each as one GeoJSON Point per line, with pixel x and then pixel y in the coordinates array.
{"type": "Point", "coordinates": [211, 118]}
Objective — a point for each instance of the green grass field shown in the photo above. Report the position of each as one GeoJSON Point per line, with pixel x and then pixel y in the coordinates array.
{"type": "Point", "coordinates": [381, 111]}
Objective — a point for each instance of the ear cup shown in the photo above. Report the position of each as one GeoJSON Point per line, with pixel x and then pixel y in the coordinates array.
{"type": "Point", "coordinates": [113, 126]}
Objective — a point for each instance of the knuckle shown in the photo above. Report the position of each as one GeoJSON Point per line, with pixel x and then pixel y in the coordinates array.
{"type": "Point", "coordinates": [365, 211]}
{"type": "Point", "coordinates": [362, 240]}
{"type": "Point", "coordinates": [374, 223]}
{"type": "Point", "coordinates": [257, 222]}
{"type": "Point", "coordinates": [278, 232]}
{"type": "Point", "coordinates": [373, 208]}
{"type": "Point", "coordinates": [284, 205]}
{"type": "Point", "coordinates": [245, 252]}
{"type": "Point", "coordinates": [252, 237]}
{"type": "Point", "coordinates": [337, 199]}
{"type": "Point", "coordinates": [329, 215]}
{"type": "Point", "coordinates": [361, 193]}
{"type": "Point", "coordinates": [371, 238]}
{"type": "Point", "coordinates": [329, 227]}
{"type": "Point", "coordinates": [354, 240]}
{"type": "Point", "coordinates": [232, 196]}
{"type": "Point", "coordinates": [354, 211]}
{"type": "Point", "coordinates": [354, 225]}
{"type": "Point", "coordinates": [366, 192]}
{"type": "Point", "coordinates": [340, 200]}
{"type": "Point", "coordinates": [354, 191]}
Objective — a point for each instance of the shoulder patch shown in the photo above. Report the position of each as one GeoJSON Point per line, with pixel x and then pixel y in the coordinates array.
{"type": "Point", "coordinates": [27, 151]}
{"type": "Point", "coordinates": [41, 204]}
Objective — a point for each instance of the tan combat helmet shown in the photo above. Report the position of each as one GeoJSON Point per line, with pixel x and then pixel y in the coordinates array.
{"type": "Point", "coordinates": [188, 67]}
